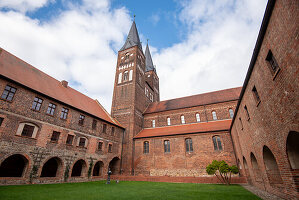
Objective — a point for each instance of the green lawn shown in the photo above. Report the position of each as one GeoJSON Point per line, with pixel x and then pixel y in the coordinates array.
{"type": "Point", "coordinates": [124, 190]}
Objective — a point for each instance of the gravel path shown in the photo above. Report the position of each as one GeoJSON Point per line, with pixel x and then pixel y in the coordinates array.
{"type": "Point", "coordinates": [260, 193]}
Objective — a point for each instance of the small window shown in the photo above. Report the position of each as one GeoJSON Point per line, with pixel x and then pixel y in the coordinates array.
{"type": "Point", "coordinates": [126, 75]}
{"type": "Point", "coordinates": [100, 146]}
{"type": "Point", "coordinates": [27, 130]}
{"type": "Point", "coordinates": [64, 112]}
{"type": "Point", "coordinates": [69, 139]}
{"type": "Point", "coordinates": [154, 123]}
{"type": "Point", "coordinates": [168, 121]}
{"type": "Point", "coordinates": [272, 63]}
{"type": "Point", "coordinates": [8, 93]}
{"type": "Point", "coordinates": [55, 136]}
{"type": "Point", "coordinates": [131, 75]}
{"type": "Point", "coordinates": [183, 119]}
{"type": "Point", "coordinates": [241, 124]}
{"type": "Point", "coordinates": [214, 115]}
{"type": "Point", "coordinates": [104, 128]}
{"type": "Point", "coordinates": [231, 113]}
{"type": "Point", "coordinates": [256, 95]}
{"type": "Point", "coordinates": [51, 109]}
{"type": "Point", "coordinates": [82, 142]}
{"type": "Point", "coordinates": [217, 143]}
{"type": "Point", "coordinates": [197, 117]}
{"type": "Point", "coordinates": [166, 146]}
{"type": "Point", "coordinates": [119, 77]}
{"type": "Point", "coordinates": [81, 120]}
{"type": "Point", "coordinates": [112, 130]}
{"type": "Point", "coordinates": [37, 102]}
{"type": "Point", "coordinates": [189, 146]}
{"type": "Point", "coordinates": [110, 148]}
{"type": "Point", "coordinates": [247, 113]}
{"type": "Point", "coordinates": [146, 147]}
{"type": "Point", "coordinates": [1, 120]}
{"type": "Point", "coordinates": [94, 124]}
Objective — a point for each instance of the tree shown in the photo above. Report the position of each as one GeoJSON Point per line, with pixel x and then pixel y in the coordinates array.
{"type": "Point", "coordinates": [222, 170]}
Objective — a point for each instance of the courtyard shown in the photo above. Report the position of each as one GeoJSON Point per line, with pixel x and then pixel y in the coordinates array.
{"type": "Point", "coordinates": [124, 190]}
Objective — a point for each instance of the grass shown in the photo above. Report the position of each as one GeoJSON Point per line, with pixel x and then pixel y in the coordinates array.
{"type": "Point", "coordinates": [124, 190]}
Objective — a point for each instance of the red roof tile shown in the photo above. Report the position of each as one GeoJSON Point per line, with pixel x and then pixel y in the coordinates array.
{"type": "Point", "coordinates": [185, 129]}
{"type": "Point", "coordinates": [17, 70]}
{"type": "Point", "coordinates": [195, 100]}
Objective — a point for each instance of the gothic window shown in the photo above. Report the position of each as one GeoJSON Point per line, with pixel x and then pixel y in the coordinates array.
{"type": "Point", "coordinates": [127, 56]}
{"type": "Point", "coordinates": [110, 148]}
{"type": "Point", "coordinates": [247, 113]}
{"type": "Point", "coordinates": [8, 93]}
{"type": "Point", "coordinates": [126, 75]}
{"type": "Point", "coordinates": [214, 115]}
{"type": "Point", "coordinates": [168, 121]}
{"type": "Point", "coordinates": [154, 123]}
{"type": "Point", "coordinates": [104, 128]}
{"type": "Point", "coordinates": [37, 102]}
{"type": "Point", "coordinates": [55, 136]}
{"type": "Point", "coordinates": [146, 147]}
{"type": "Point", "coordinates": [69, 139]}
{"type": "Point", "coordinates": [131, 75]}
{"type": "Point", "coordinates": [197, 117]}
{"type": "Point", "coordinates": [217, 143]}
{"type": "Point", "coordinates": [27, 130]}
{"type": "Point", "coordinates": [166, 146]}
{"type": "Point", "coordinates": [64, 112]}
{"type": "Point", "coordinates": [272, 63]}
{"type": "Point", "coordinates": [81, 120]}
{"type": "Point", "coordinates": [183, 119]}
{"type": "Point", "coordinates": [189, 146]}
{"type": "Point", "coordinates": [231, 113]}
{"type": "Point", "coordinates": [51, 109]}
{"type": "Point", "coordinates": [119, 77]}
{"type": "Point", "coordinates": [256, 95]}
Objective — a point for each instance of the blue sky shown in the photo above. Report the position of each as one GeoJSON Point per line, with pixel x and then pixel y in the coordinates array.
{"type": "Point", "coordinates": [197, 45]}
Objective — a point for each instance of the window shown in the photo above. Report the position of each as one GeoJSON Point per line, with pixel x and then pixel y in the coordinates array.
{"type": "Point", "coordinates": [256, 95]}
{"type": "Point", "coordinates": [214, 115]}
{"type": "Point", "coordinates": [127, 56]}
{"type": "Point", "coordinates": [126, 75]}
{"type": "Point", "coordinates": [154, 123]}
{"type": "Point", "coordinates": [189, 146]}
{"type": "Point", "coordinates": [241, 123]}
{"type": "Point", "coordinates": [8, 93]}
{"type": "Point", "coordinates": [37, 102]}
{"type": "Point", "coordinates": [119, 77]}
{"type": "Point", "coordinates": [272, 63]}
{"type": "Point", "coordinates": [231, 113]}
{"type": "Point", "coordinates": [110, 148]}
{"type": "Point", "coordinates": [27, 130]}
{"type": "Point", "coordinates": [82, 142]}
{"type": "Point", "coordinates": [104, 128]}
{"type": "Point", "coordinates": [81, 120]}
{"type": "Point", "coordinates": [64, 112]}
{"type": "Point", "coordinates": [217, 143]}
{"type": "Point", "coordinates": [168, 121]}
{"type": "Point", "coordinates": [100, 146]}
{"type": "Point", "coordinates": [131, 75]}
{"type": "Point", "coordinates": [94, 124]}
{"type": "Point", "coordinates": [112, 130]}
{"type": "Point", "coordinates": [55, 136]}
{"type": "Point", "coordinates": [146, 147]}
{"type": "Point", "coordinates": [1, 120]}
{"type": "Point", "coordinates": [166, 146]}
{"type": "Point", "coordinates": [197, 117]}
{"type": "Point", "coordinates": [247, 113]}
{"type": "Point", "coordinates": [183, 119]}
{"type": "Point", "coordinates": [51, 109]}
{"type": "Point", "coordinates": [69, 139]}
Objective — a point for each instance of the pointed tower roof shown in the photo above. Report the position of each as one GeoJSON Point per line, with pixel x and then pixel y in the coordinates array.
{"type": "Point", "coordinates": [148, 60]}
{"type": "Point", "coordinates": [132, 39]}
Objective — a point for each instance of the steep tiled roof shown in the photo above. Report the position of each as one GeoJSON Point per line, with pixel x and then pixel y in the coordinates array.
{"type": "Point", "coordinates": [148, 60]}
{"type": "Point", "coordinates": [195, 100]}
{"type": "Point", "coordinates": [185, 129]}
{"type": "Point", "coordinates": [21, 72]}
{"type": "Point", "coordinates": [132, 39]}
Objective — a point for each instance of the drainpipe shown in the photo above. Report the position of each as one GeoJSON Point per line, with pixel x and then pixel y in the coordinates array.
{"type": "Point", "coordinates": [133, 154]}
{"type": "Point", "coordinates": [122, 150]}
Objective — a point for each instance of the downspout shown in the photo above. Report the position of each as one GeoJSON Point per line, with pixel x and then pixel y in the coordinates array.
{"type": "Point", "coordinates": [122, 150]}
{"type": "Point", "coordinates": [133, 154]}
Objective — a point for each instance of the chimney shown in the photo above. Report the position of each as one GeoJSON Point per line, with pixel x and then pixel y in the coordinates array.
{"type": "Point", "coordinates": [64, 83]}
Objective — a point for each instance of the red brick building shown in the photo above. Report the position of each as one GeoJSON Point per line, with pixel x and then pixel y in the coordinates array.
{"type": "Point", "coordinates": [56, 133]}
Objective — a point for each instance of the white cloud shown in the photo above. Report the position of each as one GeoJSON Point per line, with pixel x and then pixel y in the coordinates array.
{"type": "Point", "coordinates": [23, 5]}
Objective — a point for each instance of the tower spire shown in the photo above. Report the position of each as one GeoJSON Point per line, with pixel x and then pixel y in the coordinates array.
{"type": "Point", "coordinates": [148, 59]}
{"type": "Point", "coordinates": [133, 38]}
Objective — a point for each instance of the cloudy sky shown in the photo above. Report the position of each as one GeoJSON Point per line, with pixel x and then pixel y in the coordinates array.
{"type": "Point", "coordinates": [197, 45]}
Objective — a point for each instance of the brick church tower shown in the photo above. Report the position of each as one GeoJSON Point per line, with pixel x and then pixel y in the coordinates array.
{"type": "Point", "coordinates": [136, 86]}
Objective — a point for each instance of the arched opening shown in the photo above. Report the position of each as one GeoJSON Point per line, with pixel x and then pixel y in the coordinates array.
{"type": "Point", "coordinates": [79, 168]}
{"type": "Point", "coordinates": [271, 166]}
{"type": "Point", "coordinates": [114, 165]}
{"type": "Point", "coordinates": [51, 167]}
{"type": "Point", "coordinates": [293, 149]}
{"type": "Point", "coordinates": [98, 169]}
{"type": "Point", "coordinates": [13, 166]}
{"type": "Point", "coordinates": [255, 168]}
{"type": "Point", "coordinates": [246, 170]}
